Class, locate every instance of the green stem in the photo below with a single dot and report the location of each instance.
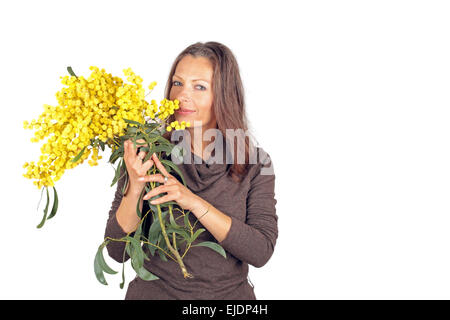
(192, 233)
(186, 274)
(173, 234)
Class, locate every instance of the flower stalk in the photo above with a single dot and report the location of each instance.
(175, 252)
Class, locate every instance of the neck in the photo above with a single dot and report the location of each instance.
(198, 145)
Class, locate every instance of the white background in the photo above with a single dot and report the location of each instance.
(350, 99)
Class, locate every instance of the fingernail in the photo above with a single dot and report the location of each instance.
(141, 179)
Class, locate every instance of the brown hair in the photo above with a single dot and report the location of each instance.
(228, 92)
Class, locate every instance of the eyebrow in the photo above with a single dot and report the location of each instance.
(192, 80)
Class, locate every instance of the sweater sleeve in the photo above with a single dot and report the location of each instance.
(253, 241)
(113, 229)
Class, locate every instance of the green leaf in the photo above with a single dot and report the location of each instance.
(166, 204)
(162, 255)
(174, 167)
(212, 245)
(116, 154)
(78, 155)
(196, 234)
(146, 257)
(179, 231)
(131, 131)
(161, 147)
(42, 191)
(117, 174)
(69, 69)
(101, 260)
(186, 220)
(149, 127)
(126, 178)
(123, 269)
(163, 140)
(140, 135)
(137, 262)
(123, 277)
(138, 211)
(148, 142)
(144, 274)
(98, 271)
(155, 231)
(137, 255)
(45, 212)
(144, 149)
(151, 248)
(161, 242)
(133, 122)
(128, 249)
(172, 220)
(123, 138)
(138, 232)
(55, 204)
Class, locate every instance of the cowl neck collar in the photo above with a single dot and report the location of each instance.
(200, 173)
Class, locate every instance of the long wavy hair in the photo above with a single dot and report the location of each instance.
(228, 92)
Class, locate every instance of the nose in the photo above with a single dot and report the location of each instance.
(185, 93)
(183, 97)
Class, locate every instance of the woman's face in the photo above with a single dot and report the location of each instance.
(192, 86)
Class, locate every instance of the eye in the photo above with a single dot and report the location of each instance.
(202, 88)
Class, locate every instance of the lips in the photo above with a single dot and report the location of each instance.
(184, 111)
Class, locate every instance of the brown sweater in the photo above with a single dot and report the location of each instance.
(251, 239)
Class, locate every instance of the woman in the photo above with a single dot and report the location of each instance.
(233, 200)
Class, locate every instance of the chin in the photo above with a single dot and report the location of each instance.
(189, 118)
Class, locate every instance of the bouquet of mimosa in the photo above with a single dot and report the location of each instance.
(103, 111)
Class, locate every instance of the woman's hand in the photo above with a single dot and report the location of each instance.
(135, 167)
(175, 190)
